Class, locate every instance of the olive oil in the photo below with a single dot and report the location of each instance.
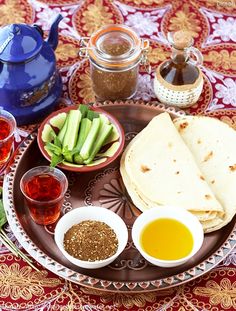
(166, 239)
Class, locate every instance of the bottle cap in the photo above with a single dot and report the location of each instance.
(182, 39)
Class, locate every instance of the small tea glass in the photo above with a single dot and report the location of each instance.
(44, 189)
(7, 130)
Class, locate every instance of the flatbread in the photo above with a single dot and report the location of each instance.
(144, 204)
(161, 170)
(213, 146)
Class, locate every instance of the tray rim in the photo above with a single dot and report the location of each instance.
(87, 281)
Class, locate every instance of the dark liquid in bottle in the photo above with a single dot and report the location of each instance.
(179, 72)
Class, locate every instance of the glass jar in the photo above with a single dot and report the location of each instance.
(114, 52)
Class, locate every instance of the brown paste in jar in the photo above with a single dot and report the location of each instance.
(114, 84)
(115, 45)
(118, 83)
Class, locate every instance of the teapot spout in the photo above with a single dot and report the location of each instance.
(53, 34)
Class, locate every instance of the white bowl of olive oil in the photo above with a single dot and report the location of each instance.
(167, 236)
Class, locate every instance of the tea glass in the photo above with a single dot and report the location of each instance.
(44, 189)
(7, 130)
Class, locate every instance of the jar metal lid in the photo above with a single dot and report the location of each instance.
(115, 46)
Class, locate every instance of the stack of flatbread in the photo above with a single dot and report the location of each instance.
(189, 163)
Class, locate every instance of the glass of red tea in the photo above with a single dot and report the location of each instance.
(44, 189)
(7, 130)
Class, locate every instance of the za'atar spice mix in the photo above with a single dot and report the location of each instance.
(91, 240)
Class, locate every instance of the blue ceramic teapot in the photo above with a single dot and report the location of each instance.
(29, 81)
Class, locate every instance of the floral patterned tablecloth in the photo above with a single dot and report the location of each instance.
(213, 26)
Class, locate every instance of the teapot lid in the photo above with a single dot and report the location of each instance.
(19, 42)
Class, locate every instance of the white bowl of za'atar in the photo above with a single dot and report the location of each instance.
(91, 237)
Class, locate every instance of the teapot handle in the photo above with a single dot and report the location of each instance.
(39, 29)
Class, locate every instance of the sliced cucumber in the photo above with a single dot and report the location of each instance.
(62, 132)
(104, 119)
(90, 139)
(83, 133)
(104, 132)
(71, 135)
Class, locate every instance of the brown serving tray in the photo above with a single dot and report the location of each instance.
(130, 272)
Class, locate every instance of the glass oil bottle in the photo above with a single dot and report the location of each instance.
(179, 81)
